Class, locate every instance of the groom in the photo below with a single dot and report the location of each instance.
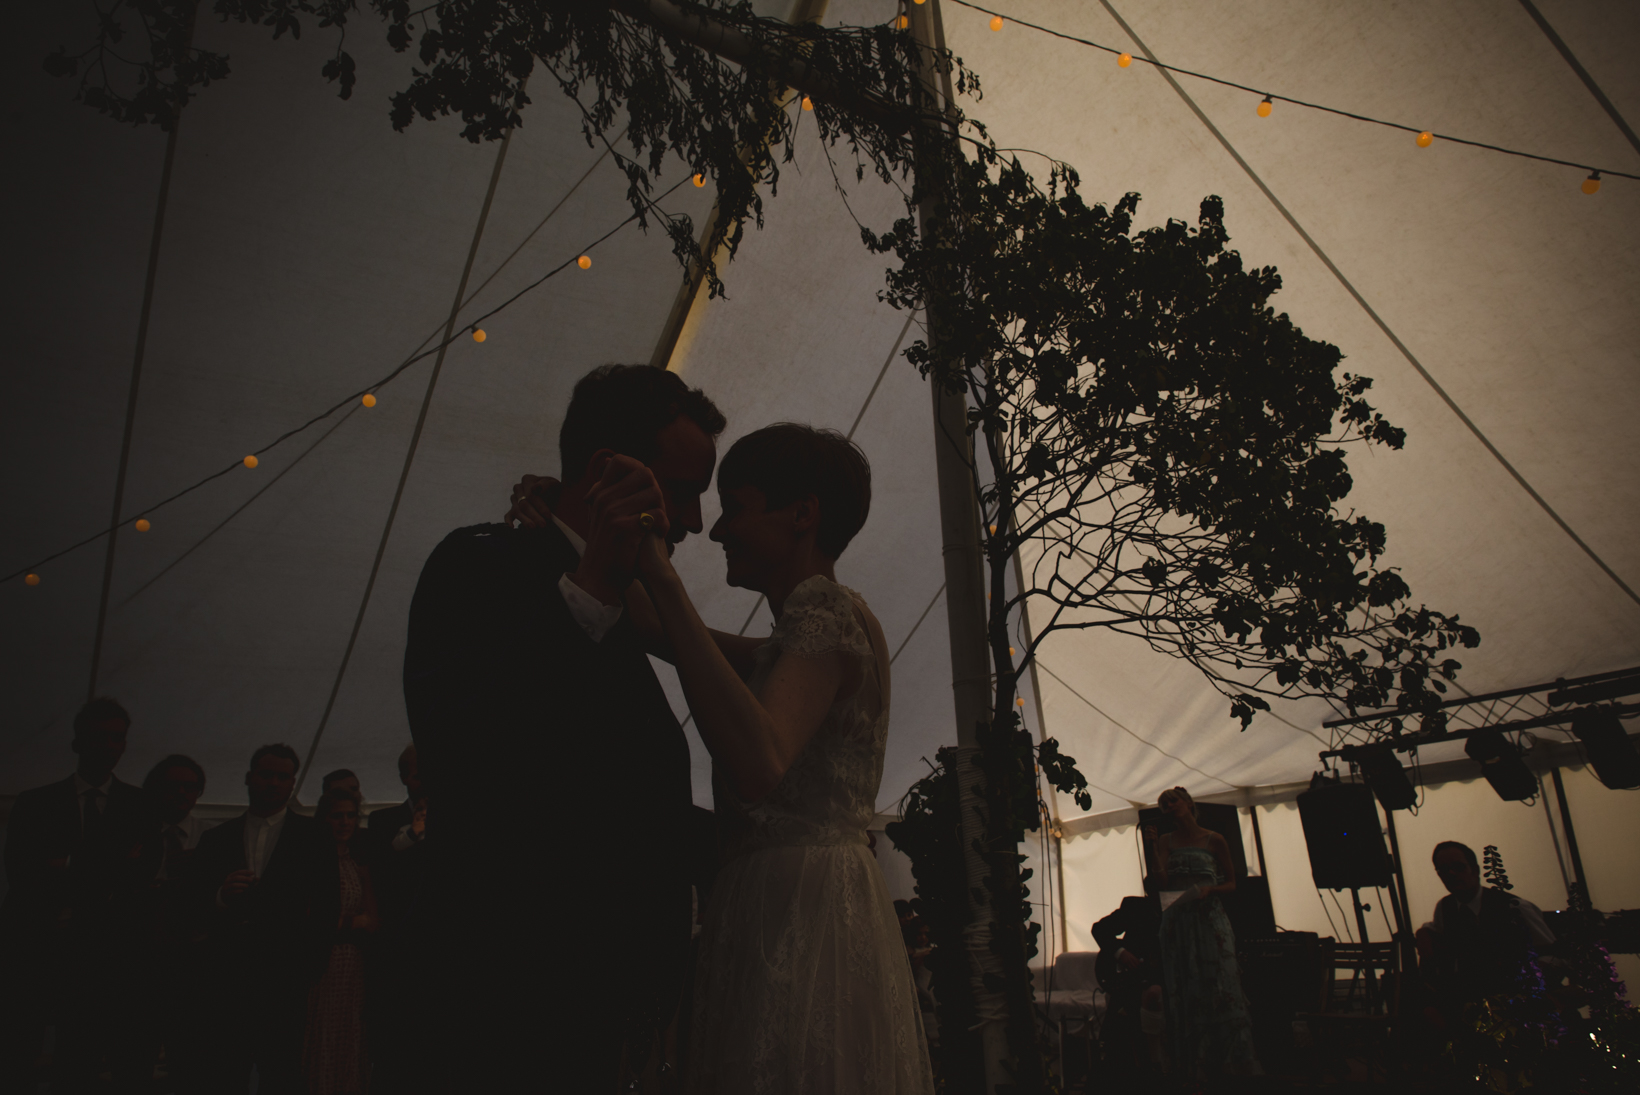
(557, 775)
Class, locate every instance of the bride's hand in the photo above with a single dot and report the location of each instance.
(654, 558)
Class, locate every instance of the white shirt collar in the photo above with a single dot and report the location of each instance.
(81, 786)
(571, 535)
(272, 821)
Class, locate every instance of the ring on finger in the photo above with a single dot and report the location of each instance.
(647, 520)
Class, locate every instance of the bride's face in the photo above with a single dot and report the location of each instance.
(755, 538)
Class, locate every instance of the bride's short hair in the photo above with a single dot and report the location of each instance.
(789, 461)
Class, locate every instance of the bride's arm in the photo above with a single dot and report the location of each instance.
(755, 739)
(737, 649)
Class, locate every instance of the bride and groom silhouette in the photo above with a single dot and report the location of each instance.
(559, 782)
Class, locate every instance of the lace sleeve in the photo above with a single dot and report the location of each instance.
(818, 619)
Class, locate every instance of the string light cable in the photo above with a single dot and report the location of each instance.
(1425, 137)
(471, 329)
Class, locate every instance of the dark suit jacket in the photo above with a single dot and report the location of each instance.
(1136, 927)
(275, 928)
(557, 775)
(44, 828)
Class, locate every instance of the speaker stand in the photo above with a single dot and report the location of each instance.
(1366, 965)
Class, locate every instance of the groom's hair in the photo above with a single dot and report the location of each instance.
(789, 461)
(624, 408)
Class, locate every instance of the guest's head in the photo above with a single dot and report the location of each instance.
(342, 779)
(1460, 871)
(100, 729)
(271, 778)
(789, 490)
(408, 774)
(902, 910)
(1177, 803)
(650, 415)
(173, 786)
(338, 811)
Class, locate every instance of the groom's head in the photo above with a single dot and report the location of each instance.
(650, 415)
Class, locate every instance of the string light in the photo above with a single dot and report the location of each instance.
(996, 22)
(1020, 701)
(699, 180)
(251, 461)
(903, 21)
(478, 336)
(584, 262)
(1425, 139)
(1124, 60)
(808, 103)
(143, 525)
(1592, 183)
(368, 400)
(1265, 107)
(32, 580)
(1010, 652)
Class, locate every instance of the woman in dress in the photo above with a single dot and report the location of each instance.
(333, 1051)
(1209, 1031)
(803, 986)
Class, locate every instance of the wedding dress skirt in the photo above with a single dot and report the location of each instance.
(803, 986)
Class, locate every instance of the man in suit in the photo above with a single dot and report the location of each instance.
(73, 850)
(392, 829)
(1129, 968)
(557, 775)
(256, 879)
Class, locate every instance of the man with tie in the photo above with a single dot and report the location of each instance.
(72, 848)
(255, 878)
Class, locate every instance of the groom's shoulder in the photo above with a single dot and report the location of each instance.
(483, 549)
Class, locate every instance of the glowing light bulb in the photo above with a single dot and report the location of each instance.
(919, 1)
(808, 103)
(903, 21)
(996, 22)
(1124, 60)
(700, 180)
(143, 525)
(1265, 107)
(1010, 652)
(479, 335)
(368, 400)
(584, 262)
(1592, 183)
(1425, 139)
(993, 530)
(1020, 701)
(31, 580)
(251, 461)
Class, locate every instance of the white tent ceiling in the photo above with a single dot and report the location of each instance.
(307, 249)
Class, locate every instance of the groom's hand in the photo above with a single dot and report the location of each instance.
(533, 497)
(623, 494)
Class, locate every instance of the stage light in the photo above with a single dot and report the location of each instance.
(31, 579)
(996, 22)
(808, 103)
(143, 525)
(368, 400)
(1501, 765)
(1592, 183)
(1265, 107)
(478, 332)
(1611, 753)
(584, 262)
(700, 180)
(1425, 139)
(1385, 775)
(251, 461)
(1124, 60)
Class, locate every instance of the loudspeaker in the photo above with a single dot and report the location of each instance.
(1342, 834)
(1501, 765)
(1611, 753)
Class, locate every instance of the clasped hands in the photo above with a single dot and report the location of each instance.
(627, 532)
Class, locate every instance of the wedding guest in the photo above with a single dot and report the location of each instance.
(393, 828)
(1480, 938)
(1129, 969)
(258, 876)
(172, 789)
(333, 1050)
(532, 702)
(343, 780)
(68, 854)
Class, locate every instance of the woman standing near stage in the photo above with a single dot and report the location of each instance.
(1209, 1031)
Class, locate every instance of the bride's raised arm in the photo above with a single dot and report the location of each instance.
(738, 649)
(754, 738)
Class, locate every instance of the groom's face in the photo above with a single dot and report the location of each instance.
(684, 460)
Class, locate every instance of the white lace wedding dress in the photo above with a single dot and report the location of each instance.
(803, 986)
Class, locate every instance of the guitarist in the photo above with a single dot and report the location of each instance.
(1129, 968)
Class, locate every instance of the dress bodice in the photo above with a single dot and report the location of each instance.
(829, 795)
(1189, 866)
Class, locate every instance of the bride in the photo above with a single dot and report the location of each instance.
(803, 985)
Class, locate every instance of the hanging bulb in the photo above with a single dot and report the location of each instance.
(700, 180)
(993, 530)
(1265, 107)
(996, 22)
(584, 262)
(919, 1)
(1425, 139)
(1592, 183)
(368, 400)
(31, 579)
(251, 461)
(479, 335)
(1124, 60)
(1010, 652)
(143, 525)
(903, 21)
(1020, 701)
(808, 103)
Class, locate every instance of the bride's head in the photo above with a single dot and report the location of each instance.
(793, 497)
